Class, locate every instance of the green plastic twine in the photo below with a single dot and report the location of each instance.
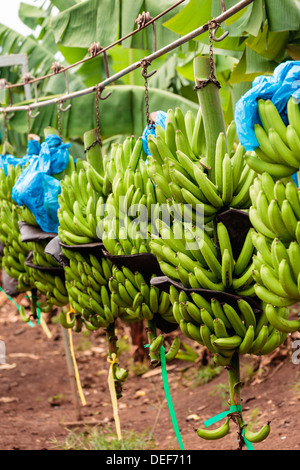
(17, 305)
(218, 417)
(168, 394)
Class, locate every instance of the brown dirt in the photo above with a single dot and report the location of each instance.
(37, 406)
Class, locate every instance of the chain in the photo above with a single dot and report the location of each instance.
(28, 121)
(5, 126)
(59, 118)
(150, 123)
(145, 65)
(98, 96)
(98, 140)
(212, 25)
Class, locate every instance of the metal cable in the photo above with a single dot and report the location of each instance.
(170, 47)
(58, 68)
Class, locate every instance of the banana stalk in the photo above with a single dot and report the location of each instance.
(113, 349)
(151, 333)
(94, 154)
(212, 112)
(234, 382)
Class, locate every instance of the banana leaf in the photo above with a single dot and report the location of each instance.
(106, 21)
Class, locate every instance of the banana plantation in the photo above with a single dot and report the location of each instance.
(150, 227)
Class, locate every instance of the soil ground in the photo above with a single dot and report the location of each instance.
(37, 407)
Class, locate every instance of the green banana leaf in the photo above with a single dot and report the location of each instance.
(31, 15)
(106, 21)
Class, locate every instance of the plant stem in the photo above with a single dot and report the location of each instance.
(113, 349)
(235, 389)
(111, 340)
(212, 111)
(234, 380)
(151, 333)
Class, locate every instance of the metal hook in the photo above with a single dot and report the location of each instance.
(3, 85)
(60, 105)
(30, 111)
(103, 97)
(145, 64)
(61, 101)
(8, 118)
(213, 33)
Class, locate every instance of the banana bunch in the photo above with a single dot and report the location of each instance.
(48, 284)
(129, 210)
(15, 251)
(79, 205)
(275, 214)
(275, 210)
(8, 181)
(139, 300)
(87, 280)
(223, 328)
(124, 159)
(276, 271)
(188, 254)
(178, 167)
(27, 216)
(279, 145)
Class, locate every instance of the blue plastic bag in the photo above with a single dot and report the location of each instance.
(33, 148)
(42, 200)
(161, 121)
(37, 189)
(284, 83)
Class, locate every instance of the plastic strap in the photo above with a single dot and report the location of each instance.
(218, 417)
(38, 314)
(111, 384)
(168, 396)
(17, 305)
(82, 397)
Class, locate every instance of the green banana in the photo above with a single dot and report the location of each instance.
(258, 436)
(213, 434)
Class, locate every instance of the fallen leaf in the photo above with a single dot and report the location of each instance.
(192, 417)
(27, 355)
(7, 366)
(98, 350)
(154, 372)
(8, 399)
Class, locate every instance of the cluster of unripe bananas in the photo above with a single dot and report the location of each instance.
(275, 213)
(14, 252)
(48, 276)
(181, 173)
(278, 152)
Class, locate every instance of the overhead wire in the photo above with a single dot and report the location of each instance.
(134, 66)
(58, 68)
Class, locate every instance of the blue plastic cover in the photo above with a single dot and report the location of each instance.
(33, 148)
(160, 119)
(284, 83)
(37, 189)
